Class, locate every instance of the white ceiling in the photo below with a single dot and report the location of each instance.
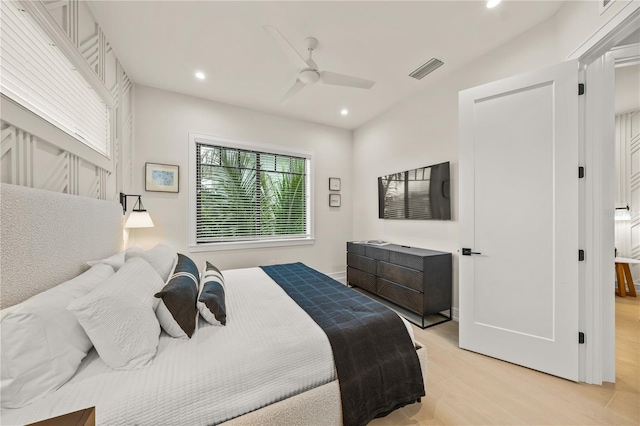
(162, 43)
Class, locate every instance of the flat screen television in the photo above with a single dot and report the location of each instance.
(419, 194)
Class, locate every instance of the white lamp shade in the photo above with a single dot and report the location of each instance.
(622, 214)
(139, 220)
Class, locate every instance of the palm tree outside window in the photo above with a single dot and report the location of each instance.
(247, 195)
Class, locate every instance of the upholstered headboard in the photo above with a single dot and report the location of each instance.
(45, 238)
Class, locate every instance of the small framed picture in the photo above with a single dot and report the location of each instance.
(334, 184)
(161, 177)
(334, 200)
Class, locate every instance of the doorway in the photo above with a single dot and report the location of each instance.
(597, 56)
(594, 325)
(627, 217)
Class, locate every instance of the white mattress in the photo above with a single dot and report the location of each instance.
(269, 350)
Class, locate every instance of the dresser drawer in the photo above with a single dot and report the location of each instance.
(365, 264)
(401, 275)
(361, 279)
(377, 253)
(356, 248)
(403, 296)
(407, 260)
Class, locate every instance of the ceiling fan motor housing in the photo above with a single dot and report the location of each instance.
(309, 76)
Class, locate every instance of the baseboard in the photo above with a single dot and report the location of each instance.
(455, 314)
(341, 277)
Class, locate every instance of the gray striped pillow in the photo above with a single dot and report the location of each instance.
(211, 302)
(177, 312)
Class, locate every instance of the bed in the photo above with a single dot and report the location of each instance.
(271, 364)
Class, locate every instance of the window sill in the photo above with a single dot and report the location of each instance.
(241, 245)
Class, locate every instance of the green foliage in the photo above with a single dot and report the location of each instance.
(235, 200)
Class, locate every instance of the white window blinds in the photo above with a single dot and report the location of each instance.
(38, 76)
(249, 195)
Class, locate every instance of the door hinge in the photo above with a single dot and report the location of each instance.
(581, 337)
(580, 88)
(580, 255)
(580, 172)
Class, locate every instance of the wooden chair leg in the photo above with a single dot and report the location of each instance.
(627, 272)
(620, 276)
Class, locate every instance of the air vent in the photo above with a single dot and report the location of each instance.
(426, 68)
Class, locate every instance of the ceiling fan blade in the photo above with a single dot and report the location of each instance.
(293, 55)
(336, 79)
(297, 86)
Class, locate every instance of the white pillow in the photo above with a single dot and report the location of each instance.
(161, 257)
(43, 343)
(119, 316)
(117, 260)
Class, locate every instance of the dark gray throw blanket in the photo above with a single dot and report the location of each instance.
(378, 368)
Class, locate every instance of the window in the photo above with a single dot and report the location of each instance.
(249, 194)
(39, 77)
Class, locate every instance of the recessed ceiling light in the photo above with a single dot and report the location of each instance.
(200, 75)
(493, 3)
(344, 111)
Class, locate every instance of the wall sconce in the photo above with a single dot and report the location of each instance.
(139, 217)
(622, 213)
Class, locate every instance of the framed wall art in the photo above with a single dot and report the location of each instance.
(161, 177)
(334, 184)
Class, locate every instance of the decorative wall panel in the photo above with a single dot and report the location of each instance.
(65, 14)
(30, 161)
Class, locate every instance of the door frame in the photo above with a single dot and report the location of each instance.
(596, 297)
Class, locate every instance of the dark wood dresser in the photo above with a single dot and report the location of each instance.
(415, 279)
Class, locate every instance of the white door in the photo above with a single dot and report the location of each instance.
(519, 210)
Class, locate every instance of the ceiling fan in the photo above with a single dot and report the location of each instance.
(309, 73)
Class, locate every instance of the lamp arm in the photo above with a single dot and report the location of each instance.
(123, 200)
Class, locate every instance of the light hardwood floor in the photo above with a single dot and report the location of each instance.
(465, 388)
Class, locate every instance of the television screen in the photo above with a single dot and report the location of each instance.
(420, 194)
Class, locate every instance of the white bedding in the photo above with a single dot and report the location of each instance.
(269, 350)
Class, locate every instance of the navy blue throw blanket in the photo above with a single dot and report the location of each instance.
(378, 368)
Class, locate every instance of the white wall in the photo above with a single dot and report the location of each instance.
(627, 88)
(576, 21)
(163, 122)
(424, 129)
